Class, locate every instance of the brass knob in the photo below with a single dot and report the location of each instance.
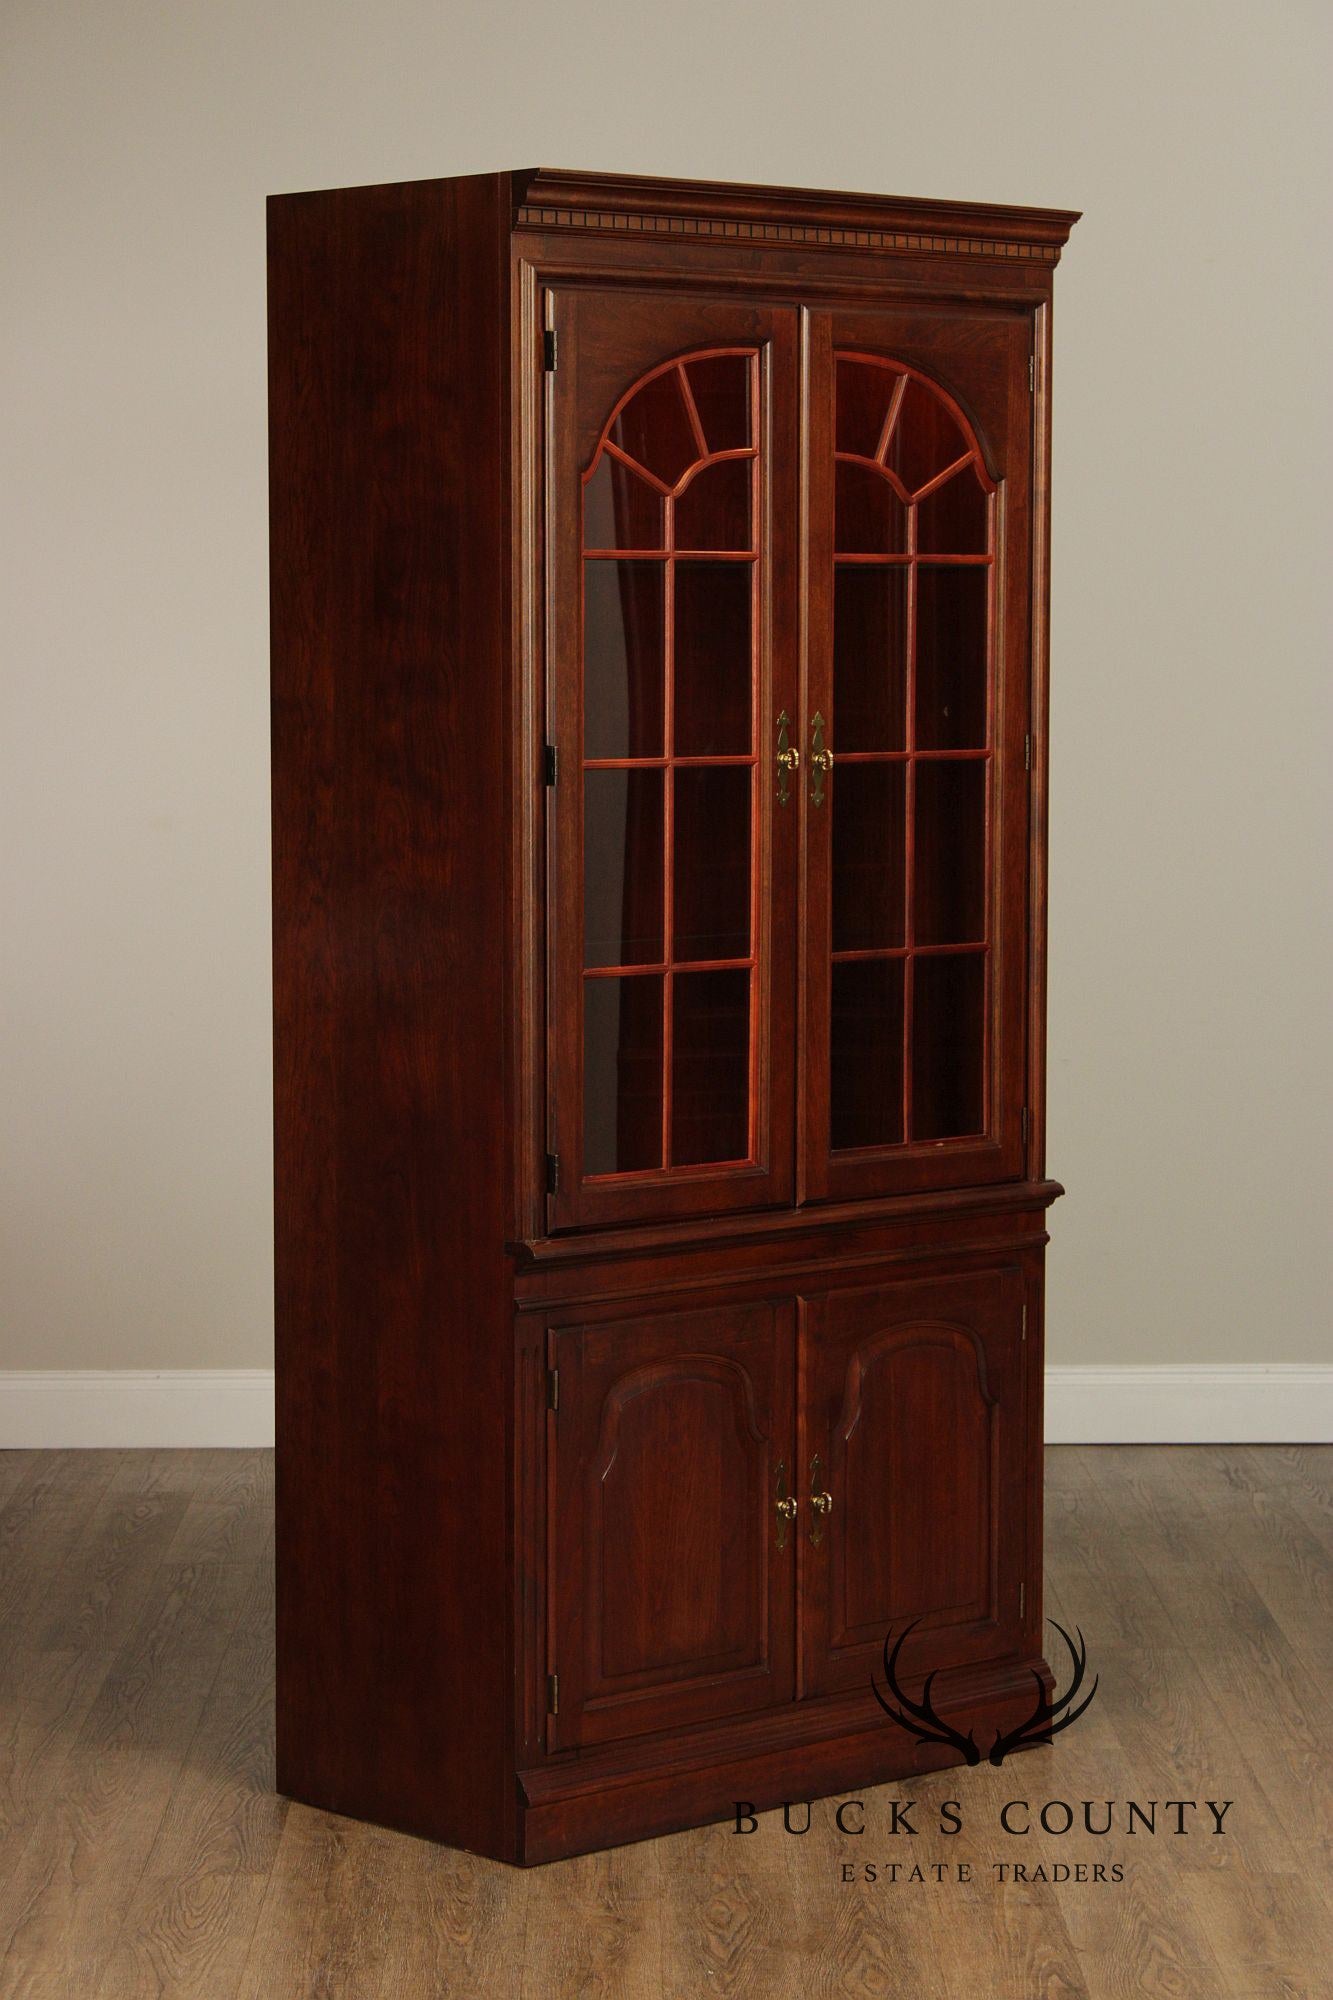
(821, 760)
(789, 759)
(821, 1502)
(784, 1505)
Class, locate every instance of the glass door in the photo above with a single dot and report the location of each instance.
(915, 807)
(671, 534)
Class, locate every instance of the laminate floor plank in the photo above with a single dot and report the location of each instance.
(726, 1898)
(330, 1914)
(229, 1516)
(143, 1853)
(62, 1904)
(1286, 1558)
(462, 1925)
(188, 1926)
(1253, 1677)
(15, 1466)
(41, 1526)
(594, 1926)
(1304, 1472)
(53, 1671)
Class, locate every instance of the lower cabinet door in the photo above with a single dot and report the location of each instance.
(670, 1562)
(912, 1487)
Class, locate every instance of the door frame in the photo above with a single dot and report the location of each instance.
(643, 1340)
(948, 1302)
(897, 329)
(699, 318)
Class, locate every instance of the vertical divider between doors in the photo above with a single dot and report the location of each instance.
(816, 691)
(803, 1310)
(547, 1664)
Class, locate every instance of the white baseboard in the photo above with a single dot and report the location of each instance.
(127, 1407)
(1201, 1403)
(1245, 1403)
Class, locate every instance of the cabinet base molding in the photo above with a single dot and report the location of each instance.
(573, 1808)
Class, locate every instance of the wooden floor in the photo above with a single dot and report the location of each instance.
(142, 1850)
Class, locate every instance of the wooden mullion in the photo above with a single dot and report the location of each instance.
(624, 555)
(640, 471)
(668, 828)
(898, 558)
(942, 478)
(909, 822)
(623, 971)
(890, 422)
(692, 411)
(624, 763)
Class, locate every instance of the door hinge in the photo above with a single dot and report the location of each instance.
(1032, 372)
(1023, 1333)
(553, 1694)
(552, 1172)
(1023, 1123)
(1022, 1598)
(1027, 756)
(550, 763)
(549, 350)
(553, 1386)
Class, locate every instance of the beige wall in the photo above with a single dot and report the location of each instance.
(1188, 1017)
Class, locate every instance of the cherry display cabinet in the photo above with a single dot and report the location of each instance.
(659, 683)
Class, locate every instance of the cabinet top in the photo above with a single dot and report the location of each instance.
(543, 199)
(556, 197)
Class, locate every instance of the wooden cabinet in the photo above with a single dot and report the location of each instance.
(659, 670)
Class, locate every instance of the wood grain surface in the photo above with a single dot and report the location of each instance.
(144, 1852)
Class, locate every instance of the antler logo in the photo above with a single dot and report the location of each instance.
(1047, 1719)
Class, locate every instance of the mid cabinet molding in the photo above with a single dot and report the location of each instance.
(659, 578)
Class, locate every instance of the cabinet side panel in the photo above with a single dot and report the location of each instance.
(388, 316)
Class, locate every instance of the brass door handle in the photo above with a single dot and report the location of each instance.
(789, 760)
(821, 1502)
(821, 760)
(784, 1505)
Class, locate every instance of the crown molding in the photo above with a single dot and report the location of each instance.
(629, 205)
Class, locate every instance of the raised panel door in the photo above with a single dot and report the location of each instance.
(911, 1496)
(670, 1559)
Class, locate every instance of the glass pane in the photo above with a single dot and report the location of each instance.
(948, 1042)
(710, 1067)
(869, 657)
(863, 392)
(714, 510)
(951, 521)
(721, 390)
(949, 903)
(622, 1075)
(623, 651)
(711, 839)
(951, 657)
(925, 438)
(622, 867)
(869, 517)
(620, 510)
(712, 667)
(866, 1071)
(868, 856)
(655, 429)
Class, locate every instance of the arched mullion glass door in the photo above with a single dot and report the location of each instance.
(914, 810)
(671, 974)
